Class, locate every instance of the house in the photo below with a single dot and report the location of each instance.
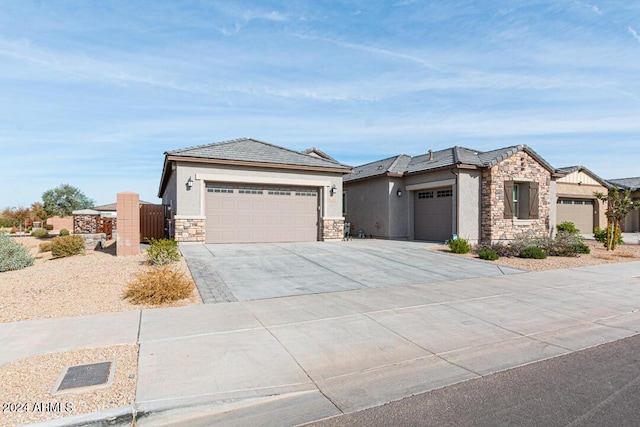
(576, 202)
(246, 190)
(632, 222)
(480, 196)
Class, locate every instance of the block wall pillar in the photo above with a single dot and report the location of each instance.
(128, 211)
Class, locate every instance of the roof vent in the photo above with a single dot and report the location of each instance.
(380, 167)
(430, 154)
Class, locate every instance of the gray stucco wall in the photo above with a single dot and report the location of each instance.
(469, 194)
(368, 204)
(169, 195)
(398, 218)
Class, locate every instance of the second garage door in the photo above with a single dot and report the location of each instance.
(433, 214)
(578, 211)
(245, 214)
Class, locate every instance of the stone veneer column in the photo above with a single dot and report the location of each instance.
(332, 229)
(189, 229)
(128, 211)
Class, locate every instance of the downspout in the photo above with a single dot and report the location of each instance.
(457, 206)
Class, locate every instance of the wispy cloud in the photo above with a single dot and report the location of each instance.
(634, 34)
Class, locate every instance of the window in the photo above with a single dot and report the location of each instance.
(279, 192)
(521, 200)
(344, 203)
(309, 193)
(251, 190)
(216, 188)
(425, 195)
(444, 193)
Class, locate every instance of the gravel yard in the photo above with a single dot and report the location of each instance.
(598, 255)
(73, 286)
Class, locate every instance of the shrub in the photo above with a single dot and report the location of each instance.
(567, 244)
(533, 252)
(158, 285)
(600, 234)
(64, 246)
(45, 246)
(40, 233)
(459, 246)
(48, 227)
(163, 251)
(64, 232)
(567, 227)
(13, 255)
(502, 249)
(488, 254)
(14, 230)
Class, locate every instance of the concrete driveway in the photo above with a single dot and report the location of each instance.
(241, 272)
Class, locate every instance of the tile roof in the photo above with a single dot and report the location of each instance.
(253, 150)
(626, 183)
(440, 159)
(114, 206)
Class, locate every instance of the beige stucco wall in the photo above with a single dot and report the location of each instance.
(469, 195)
(191, 203)
(519, 167)
(632, 221)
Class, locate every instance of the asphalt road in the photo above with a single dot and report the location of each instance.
(594, 387)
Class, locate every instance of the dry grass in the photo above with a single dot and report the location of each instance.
(158, 285)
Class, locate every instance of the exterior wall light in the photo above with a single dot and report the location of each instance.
(399, 192)
(332, 190)
(189, 184)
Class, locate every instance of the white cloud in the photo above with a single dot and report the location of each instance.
(634, 34)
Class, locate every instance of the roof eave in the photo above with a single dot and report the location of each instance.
(335, 169)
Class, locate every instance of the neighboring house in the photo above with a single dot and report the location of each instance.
(576, 202)
(245, 190)
(110, 210)
(480, 196)
(632, 222)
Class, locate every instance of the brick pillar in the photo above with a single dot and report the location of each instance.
(128, 211)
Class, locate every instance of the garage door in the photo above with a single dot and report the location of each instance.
(579, 212)
(244, 213)
(432, 214)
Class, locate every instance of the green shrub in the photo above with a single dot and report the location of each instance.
(600, 234)
(533, 252)
(488, 254)
(45, 246)
(459, 246)
(158, 285)
(64, 246)
(64, 232)
(40, 233)
(13, 255)
(48, 227)
(162, 251)
(567, 227)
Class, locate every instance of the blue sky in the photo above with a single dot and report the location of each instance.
(92, 93)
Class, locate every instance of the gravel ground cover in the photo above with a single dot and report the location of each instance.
(26, 385)
(73, 286)
(598, 255)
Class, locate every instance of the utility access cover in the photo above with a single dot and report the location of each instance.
(93, 375)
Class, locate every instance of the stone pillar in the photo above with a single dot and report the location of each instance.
(332, 229)
(128, 211)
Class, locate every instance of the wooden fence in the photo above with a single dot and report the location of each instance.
(151, 222)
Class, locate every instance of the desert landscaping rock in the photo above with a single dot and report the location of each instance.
(73, 286)
(27, 384)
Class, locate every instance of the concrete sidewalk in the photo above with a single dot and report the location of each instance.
(292, 360)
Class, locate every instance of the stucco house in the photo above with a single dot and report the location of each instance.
(480, 196)
(576, 202)
(246, 190)
(632, 222)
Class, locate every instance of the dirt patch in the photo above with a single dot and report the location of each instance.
(598, 255)
(27, 384)
(73, 286)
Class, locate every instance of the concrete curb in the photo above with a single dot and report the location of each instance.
(122, 416)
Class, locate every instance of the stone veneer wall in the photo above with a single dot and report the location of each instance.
(85, 224)
(189, 230)
(520, 166)
(332, 229)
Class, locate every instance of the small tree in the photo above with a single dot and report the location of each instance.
(19, 215)
(619, 204)
(64, 199)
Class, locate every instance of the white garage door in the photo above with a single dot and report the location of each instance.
(244, 213)
(433, 214)
(579, 212)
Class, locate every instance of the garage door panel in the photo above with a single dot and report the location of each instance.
(578, 211)
(258, 216)
(433, 214)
